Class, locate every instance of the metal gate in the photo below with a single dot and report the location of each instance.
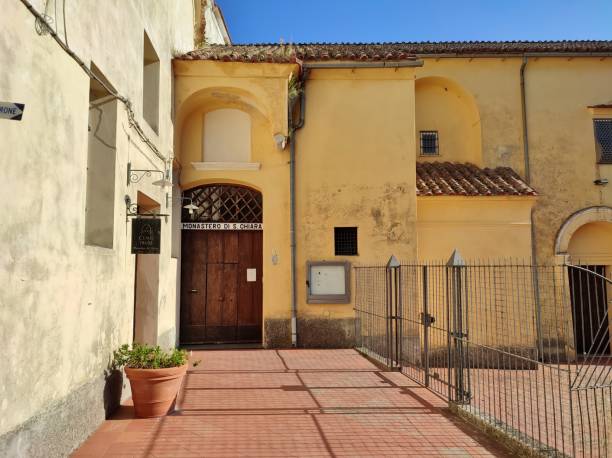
(521, 349)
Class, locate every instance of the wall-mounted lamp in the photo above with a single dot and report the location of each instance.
(135, 175)
(280, 141)
(192, 208)
(189, 206)
(601, 181)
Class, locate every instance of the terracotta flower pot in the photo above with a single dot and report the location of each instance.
(154, 390)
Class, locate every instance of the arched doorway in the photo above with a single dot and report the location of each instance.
(221, 265)
(588, 248)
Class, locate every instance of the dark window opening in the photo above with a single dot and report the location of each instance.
(429, 143)
(603, 139)
(345, 241)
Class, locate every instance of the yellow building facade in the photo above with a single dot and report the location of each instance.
(406, 149)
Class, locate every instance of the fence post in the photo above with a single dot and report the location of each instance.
(455, 267)
(392, 311)
(426, 321)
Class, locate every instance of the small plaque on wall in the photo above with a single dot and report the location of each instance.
(146, 235)
(328, 283)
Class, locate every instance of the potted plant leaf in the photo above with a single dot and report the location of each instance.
(155, 377)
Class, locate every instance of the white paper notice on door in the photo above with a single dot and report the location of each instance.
(251, 274)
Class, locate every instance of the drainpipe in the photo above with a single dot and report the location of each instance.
(304, 71)
(534, 259)
(292, 140)
(524, 119)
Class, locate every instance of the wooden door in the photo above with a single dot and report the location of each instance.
(218, 302)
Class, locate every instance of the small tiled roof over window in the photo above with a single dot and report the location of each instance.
(262, 52)
(455, 179)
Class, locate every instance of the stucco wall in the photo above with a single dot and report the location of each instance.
(480, 228)
(562, 147)
(260, 91)
(445, 107)
(355, 167)
(561, 141)
(494, 86)
(65, 306)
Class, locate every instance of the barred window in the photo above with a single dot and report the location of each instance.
(603, 139)
(345, 241)
(429, 143)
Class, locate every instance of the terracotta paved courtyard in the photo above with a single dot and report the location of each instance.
(295, 403)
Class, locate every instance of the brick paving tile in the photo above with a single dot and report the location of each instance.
(292, 403)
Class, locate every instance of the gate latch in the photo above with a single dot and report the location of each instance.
(427, 319)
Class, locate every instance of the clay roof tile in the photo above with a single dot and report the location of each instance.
(457, 179)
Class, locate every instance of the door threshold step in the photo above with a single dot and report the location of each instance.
(222, 346)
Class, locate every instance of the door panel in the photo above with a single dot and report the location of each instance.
(215, 246)
(214, 295)
(193, 285)
(231, 253)
(230, 298)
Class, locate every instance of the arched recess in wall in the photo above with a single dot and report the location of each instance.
(231, 105)
(586, 236)
(447, 108)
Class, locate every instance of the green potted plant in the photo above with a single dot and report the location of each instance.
(155, 377)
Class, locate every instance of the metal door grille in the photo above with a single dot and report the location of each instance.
(224, 204)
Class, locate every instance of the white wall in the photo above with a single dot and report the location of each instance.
(65, 306)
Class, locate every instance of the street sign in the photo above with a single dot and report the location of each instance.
(12, 111)
(146, 235)
(222, 226)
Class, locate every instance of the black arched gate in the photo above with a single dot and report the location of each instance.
(221, 265)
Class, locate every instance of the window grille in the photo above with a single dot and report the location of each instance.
(603, 139)
(224, 204)
(429, 143)
(345, 241)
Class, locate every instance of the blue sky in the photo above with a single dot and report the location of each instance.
(255, 21)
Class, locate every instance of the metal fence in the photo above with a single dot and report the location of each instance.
(524, 349)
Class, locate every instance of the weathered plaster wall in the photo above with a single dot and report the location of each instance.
(445, 107)
(65, 306)
(562, 146)
(561, 141)
(260, 91)
(493, 84)
(480, 228)
(355, 167)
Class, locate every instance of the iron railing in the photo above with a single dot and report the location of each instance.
(523, 349)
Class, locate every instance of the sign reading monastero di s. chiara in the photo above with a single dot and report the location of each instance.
(223, 226)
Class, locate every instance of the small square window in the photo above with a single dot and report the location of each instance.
(345, 241)
(429, 143)
(603, 139)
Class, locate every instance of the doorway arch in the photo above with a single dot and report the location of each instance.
(585, 242)
(221, 265)
(576, 221)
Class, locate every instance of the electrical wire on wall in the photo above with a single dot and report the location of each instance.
(43, 26)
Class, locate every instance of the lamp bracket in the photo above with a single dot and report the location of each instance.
(135, 175)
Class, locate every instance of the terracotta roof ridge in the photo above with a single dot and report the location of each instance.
(428, 42)
(380, 51)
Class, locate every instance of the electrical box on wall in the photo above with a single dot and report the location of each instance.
(328, 282)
